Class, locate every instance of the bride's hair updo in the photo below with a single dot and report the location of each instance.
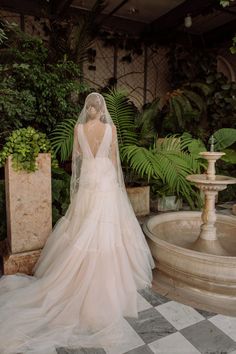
(97, 102)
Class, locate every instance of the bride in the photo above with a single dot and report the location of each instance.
(94, 261)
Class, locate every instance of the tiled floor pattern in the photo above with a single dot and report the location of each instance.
(168, 327)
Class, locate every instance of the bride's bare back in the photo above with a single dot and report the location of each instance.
(94, 133)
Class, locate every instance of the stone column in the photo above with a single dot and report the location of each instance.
(29, 215)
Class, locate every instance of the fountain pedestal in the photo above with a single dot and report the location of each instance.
(210, 184)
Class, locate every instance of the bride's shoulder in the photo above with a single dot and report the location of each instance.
(77, 127)
(113, 128)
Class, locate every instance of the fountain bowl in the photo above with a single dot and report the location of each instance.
(200, 279)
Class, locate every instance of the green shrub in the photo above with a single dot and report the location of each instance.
(33, 90)
(24, 145)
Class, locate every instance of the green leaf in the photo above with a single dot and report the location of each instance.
(230, 156)
(62, 138)
(224, 138)
(122, 114)
(195, 99)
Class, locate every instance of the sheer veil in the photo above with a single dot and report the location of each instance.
(96, 258)
(96, 100)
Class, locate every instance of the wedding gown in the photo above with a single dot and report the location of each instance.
(86, 279)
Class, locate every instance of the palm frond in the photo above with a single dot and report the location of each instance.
(142, 161)
(169, 143)
(122, 114)
(184, 102)
(195, 99)
(62, 138)
(194, 147)
(167, 163)
(176, 166)
(176, 110)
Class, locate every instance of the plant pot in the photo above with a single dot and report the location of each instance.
(169, 203)
(140, 199)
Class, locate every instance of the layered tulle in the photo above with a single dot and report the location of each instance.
(87, 277)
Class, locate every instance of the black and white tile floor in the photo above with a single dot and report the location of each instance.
(168, 327)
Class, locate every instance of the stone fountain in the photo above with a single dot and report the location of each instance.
(197, 268)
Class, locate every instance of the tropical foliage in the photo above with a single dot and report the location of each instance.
(224, 138)
(143, 157)
(224, 141)
(32, 90)
(183, 107)
(166, 163)
(123, 115)
(196, 70)
(62, 138)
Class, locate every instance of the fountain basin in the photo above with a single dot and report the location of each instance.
(208, 280)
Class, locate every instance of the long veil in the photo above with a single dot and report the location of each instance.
(86, 279)
(96, 100)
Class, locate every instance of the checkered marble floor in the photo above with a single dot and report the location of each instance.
(168, 327)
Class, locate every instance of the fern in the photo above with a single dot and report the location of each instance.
(62, 138)
(166, 162)
(122, 114)
(143, 161)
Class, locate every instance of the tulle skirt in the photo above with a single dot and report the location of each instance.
(86, 279)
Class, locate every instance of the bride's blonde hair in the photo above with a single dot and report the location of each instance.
(97, 102)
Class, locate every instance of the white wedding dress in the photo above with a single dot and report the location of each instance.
(87, 277)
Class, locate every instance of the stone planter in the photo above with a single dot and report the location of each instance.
(169, 203)
(29, 216)
(140, 199)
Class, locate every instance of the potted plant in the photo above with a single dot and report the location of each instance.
(163, 198)
(27, 157)
(23, 147)
(167, 164)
